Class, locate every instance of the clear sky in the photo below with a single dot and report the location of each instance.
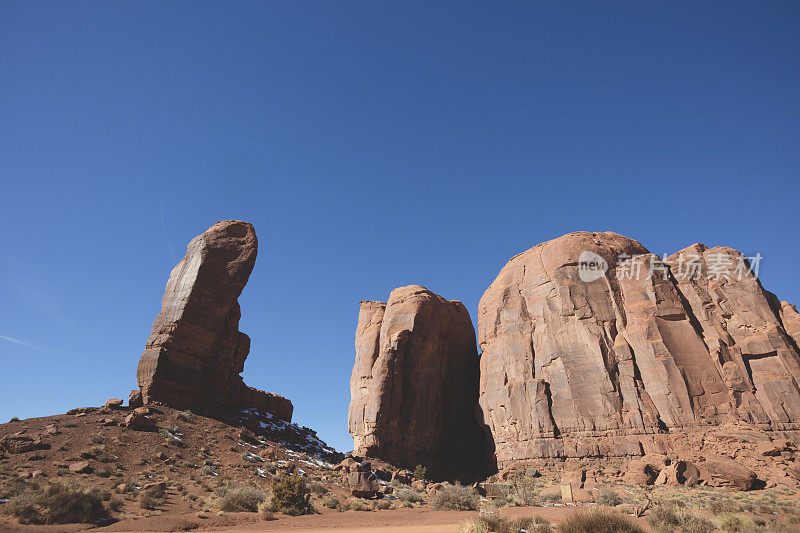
(372, 145)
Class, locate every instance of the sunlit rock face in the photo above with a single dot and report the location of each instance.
(577, 365)
(196, 352)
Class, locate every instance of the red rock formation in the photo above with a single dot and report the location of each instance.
(577, 366)
(414, 386)
(196, 352)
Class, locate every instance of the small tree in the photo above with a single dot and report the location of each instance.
(420, 472)
(291, 496)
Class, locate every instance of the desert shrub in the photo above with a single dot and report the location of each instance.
(251, 458)
(290, 496)
(550, 496)
(531, 524)
(420, 472)
(115, 504)
(239, 498)
(171, 438)
(598, 521)
(523, 492)
(14, 419)
(265, 510)
(358, 505)
(409, 495)
(317, 488)
(722, 505)
(70, 424)
(455, 498)
(330, 501)
(669, 518)
(153, 497)
(209, 470)
(186, 416)
(734, 522)
(476, 525)
(609, 498)
(98, 439)
(58, 504)
(383, 504)
(502, 524)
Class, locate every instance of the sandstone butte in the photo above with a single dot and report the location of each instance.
(574, 369)
(415, 384)
(195, 353)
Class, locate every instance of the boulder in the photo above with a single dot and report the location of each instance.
(723, 472)
(363, 485)
(135, 399)
(139, 422)
(403, 476)
(347, 465)
(639, 472)
(80, 467)
(196, 352)
(19, 443)
(769, 449)
(114, 403)
(679, 473)
(414, 384)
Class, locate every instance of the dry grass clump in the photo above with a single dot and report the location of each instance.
(58, 503)
(599, 521)
(330, 501)
(502, 524)
(239, 498)
(672, 518)
(735, 522)
(455, 498)
(152, 498)
(607, 497)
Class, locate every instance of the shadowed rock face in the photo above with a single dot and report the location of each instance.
(196, 352)
(414, 386)
(574, 368)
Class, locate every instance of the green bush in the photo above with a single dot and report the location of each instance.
(455, 498)
(598, 521)
(609, 498)
(235, 498)
(669, 518)
(291, 496)
(58, 504)
(420, 472)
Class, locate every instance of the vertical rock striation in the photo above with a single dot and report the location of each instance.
(414, 387)
(575, 366)
(196, 352)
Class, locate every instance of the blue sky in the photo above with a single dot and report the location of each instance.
(372, 145)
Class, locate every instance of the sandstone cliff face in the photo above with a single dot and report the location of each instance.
(609, 366)
(414, 386)
(196, 352)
